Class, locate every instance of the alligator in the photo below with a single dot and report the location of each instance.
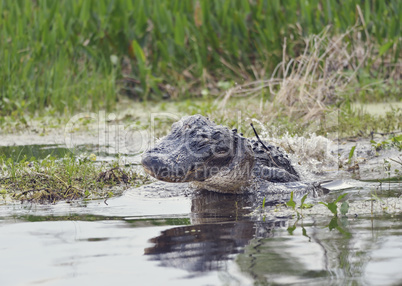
(211, 157)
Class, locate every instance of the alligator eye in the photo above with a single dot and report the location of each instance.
(203, 142)
(155, 150)
(217, 135)
(221, 150)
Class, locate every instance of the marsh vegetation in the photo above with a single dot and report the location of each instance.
(61, 57)
(215, 58)
(303, 72)
(68, 178)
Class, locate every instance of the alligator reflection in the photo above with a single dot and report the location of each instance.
(220, 229)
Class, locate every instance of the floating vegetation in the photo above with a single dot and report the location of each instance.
(51, 180)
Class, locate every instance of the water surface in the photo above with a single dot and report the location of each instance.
(201, 239)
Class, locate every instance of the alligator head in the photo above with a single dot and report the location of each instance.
(199, 151)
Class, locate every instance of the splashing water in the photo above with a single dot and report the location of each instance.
(311, 155)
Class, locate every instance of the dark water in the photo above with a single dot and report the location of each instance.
(199, 239)
(203, 240)
(39, 152)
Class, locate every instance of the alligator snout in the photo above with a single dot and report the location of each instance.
(150, 163)
(157, 166)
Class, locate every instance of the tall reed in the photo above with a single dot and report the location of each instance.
(58, 53)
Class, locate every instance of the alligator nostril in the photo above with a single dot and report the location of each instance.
(150, 162)
(154, 150)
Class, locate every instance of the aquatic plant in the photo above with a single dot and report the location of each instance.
(68, 178)
(393, 141)
(334, 208)
(351, 153)
(291, 203)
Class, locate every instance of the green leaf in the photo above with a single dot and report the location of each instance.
(303, 199)
(323, 204)
(341, 197)
(291, 229)
(344, 208)
(179, 30)
(333, 223)
(263, 203)
(291, 203)
(333, 208)
(304, 232)
(397, 138)
(307, 206)
(352, 151)
(138, 52)
(384, 48)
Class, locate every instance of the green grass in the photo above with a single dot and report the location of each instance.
(68, 178)
(358, 123)
(69, 55)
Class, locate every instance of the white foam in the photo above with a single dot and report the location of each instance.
(310, 155)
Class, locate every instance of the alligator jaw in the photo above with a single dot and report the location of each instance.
(148, 171)
(169, 179)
